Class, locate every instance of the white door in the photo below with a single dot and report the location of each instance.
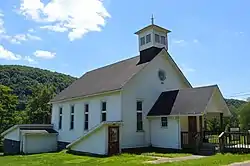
(38, 143)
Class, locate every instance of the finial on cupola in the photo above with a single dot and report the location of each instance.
(152, 19)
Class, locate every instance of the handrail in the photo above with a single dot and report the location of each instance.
(221, 134)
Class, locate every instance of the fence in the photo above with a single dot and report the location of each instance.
(212, 137)
(190, 140)
(234, 142)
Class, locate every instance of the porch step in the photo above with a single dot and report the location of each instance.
(207, 149)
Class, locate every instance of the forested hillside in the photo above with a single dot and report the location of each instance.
(21, 79)
(26, 91)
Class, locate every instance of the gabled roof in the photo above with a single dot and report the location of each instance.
(154, 27)
(47, 127)
(113, 77)
(183, 102)
(109, 78)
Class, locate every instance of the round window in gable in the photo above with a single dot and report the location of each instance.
(162, 75)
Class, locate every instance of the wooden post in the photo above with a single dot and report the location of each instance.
(201, 128)
(221, 122)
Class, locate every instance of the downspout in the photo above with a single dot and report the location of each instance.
(149, 130)
(179, 132)
(120, 128)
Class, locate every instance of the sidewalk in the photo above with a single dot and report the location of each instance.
(165, 159)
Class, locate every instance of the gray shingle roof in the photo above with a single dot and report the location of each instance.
(104, 79)
(109, 78)
(183, 102)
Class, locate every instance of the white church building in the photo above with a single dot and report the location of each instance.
(143, 101)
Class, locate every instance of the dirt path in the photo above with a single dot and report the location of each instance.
(165, 159)
(245, 163)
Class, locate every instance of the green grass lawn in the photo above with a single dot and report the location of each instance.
(64, 159)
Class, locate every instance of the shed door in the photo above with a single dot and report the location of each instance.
(113, 143)
(40, 143)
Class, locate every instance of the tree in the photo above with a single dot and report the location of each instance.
(38, 107)
(8, 103)
(245, 116)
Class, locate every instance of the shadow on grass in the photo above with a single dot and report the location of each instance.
(144, 150)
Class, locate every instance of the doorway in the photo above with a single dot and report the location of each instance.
(192, 129)
(113, 140)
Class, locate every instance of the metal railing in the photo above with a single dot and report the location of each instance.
(234, 142)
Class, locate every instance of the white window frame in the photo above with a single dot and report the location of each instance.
(103, 111)
(139, 112)
(86, 114)
(165, 122)
(72, 125)
(60, 118)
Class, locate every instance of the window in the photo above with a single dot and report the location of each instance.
(142, 40)
(139, 115)
(72, 113)
(157, 38)
(86, 117)
(164, 121)
(60, 118)
(148, 38)
(104, 110)
(163, 40)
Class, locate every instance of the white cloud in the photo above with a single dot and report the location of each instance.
(14, 39)
(8, 55)
(56, 28)
(179, 41)
(30, 60)
(17, 39)
(76, 16)
(31, 30)
(44, 54)
(186, 69)
(32, 37)
(2, 29)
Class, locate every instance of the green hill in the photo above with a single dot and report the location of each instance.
(22, 78)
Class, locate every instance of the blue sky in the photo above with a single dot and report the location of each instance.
(209, 40)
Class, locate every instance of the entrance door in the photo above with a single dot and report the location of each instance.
(192, 129)
(113, 144)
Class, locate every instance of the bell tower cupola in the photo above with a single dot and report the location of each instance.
(152, 36)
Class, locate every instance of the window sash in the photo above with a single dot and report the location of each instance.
(157, 38)
(164, 121)
(104, 106)
(139, 105)
(139, 121)
(86, 121)
(72, 109)
(60, 122)
(86, 109)
(163, 40)
(86, 125)
(104, 116)
(60, 119)
(72, 121)
(142, 41)
(148, 38)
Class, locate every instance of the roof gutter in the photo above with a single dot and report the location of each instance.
(24, 125)
(82, 97)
